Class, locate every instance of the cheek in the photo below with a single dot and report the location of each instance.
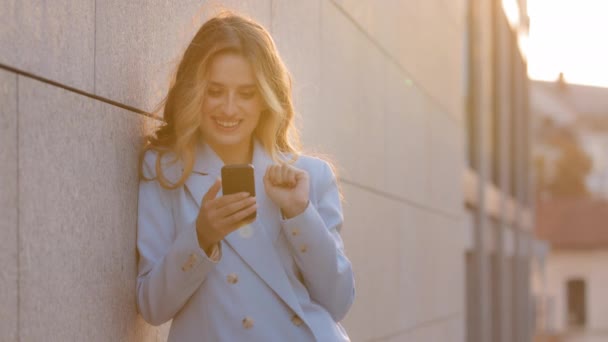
(256, 114)
(255, 108)
(208, 107)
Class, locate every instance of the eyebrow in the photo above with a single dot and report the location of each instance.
(218, 84)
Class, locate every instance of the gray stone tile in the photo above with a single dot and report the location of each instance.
(139, 43)
(54, 40)
(296, 32)
(457, 10)
(425, 37)
(8, 207)
(408, 137)
(338, 132)
(447, 162)
(372, 224)
(353, 99)
(371, 102)
(78, 213)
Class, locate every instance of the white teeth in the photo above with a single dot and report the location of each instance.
(227, 124)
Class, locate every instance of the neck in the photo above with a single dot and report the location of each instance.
(235, 154)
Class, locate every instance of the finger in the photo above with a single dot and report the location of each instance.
(294, 179)
(284, 174)
(213, 191)
(274, 174)
(267, 181)
(290, 176)
(233, 221)
(229, 199)
(234, 207)
(280, 174)
(287, 176)
(300, 174)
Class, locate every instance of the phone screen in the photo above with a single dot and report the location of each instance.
(238, 178)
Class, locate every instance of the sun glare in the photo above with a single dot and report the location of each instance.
(568, 36)
(511, 9)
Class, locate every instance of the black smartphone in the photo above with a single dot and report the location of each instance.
(238, 178)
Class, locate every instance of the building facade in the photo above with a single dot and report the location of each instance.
(576, 277)
(505, 262)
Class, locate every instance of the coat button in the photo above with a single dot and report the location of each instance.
(193, 258)
(296, 320)
(188, 264)
(247, 323)
(232, 278)
(295, 232)
(303, 248)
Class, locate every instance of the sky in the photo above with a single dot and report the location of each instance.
(569, 36)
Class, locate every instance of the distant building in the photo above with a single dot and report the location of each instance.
(577, 276)
(582, 110)
(576, 302)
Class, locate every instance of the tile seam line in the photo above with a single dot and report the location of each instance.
(394, 60)
(399, 199)
(78, 91)
(94, 46)
(418, 326)
(18, 199)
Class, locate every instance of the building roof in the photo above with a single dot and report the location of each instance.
(545, 101)
(571, 223)
(570, 103)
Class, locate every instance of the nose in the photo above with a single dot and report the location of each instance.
(230, 107)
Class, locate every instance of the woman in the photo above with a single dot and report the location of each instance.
(282, 277)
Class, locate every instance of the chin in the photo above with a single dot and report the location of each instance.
(228, 141)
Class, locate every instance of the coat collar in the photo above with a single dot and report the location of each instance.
(254, 243)
(208, 162)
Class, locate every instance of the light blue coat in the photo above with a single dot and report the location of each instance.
(276, 280)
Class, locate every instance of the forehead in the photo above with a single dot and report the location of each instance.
(231, 69)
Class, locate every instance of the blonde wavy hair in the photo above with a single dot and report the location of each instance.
(180, 132)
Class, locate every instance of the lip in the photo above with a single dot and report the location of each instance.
(226, 129)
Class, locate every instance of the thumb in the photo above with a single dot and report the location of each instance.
(213, 190)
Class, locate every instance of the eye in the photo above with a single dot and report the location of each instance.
(214, 92)
(247, 94)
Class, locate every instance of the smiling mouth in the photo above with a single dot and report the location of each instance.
(227, 123)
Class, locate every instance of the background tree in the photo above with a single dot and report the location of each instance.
(571, 168)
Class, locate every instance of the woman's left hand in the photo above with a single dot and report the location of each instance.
(288, 188)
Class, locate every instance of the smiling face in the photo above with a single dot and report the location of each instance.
(232, 105)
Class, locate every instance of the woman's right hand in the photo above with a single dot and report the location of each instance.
(219, 217)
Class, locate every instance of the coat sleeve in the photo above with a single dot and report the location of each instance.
(318, 248)
(171, 265)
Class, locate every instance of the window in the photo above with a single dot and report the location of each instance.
(576, 292)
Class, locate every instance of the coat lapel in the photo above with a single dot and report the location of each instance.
(256, 249)
(253, 243)
(207, 168)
